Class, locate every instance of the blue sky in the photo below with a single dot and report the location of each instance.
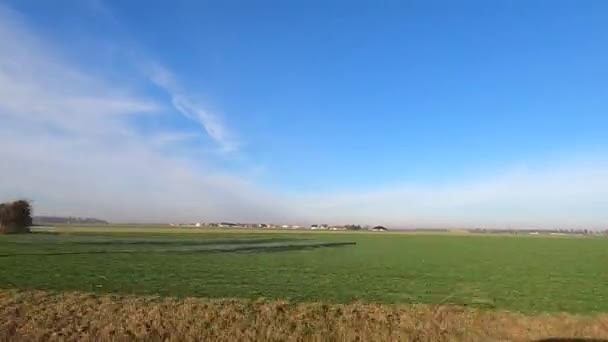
(412, 113)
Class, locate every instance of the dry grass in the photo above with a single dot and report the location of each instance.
(40, 316)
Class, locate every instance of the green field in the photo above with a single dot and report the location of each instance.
(527, 274)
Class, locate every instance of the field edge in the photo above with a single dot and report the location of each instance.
(40, 315)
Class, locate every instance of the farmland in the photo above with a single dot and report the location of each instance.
(153, 283)
(529, 275)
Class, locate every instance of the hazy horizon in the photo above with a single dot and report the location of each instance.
(405, 114)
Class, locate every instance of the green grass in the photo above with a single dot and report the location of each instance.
(527, 274)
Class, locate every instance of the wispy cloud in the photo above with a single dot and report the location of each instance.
(30, 73)
(68, 144)
(211, 123)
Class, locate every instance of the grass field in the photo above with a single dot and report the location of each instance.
(524, 274)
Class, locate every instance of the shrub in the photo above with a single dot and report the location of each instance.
(15, 217)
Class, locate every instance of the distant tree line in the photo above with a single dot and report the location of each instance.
(539, 231)
(42, 220)
(15, 217)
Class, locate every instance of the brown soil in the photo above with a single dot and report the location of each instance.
(41, 316)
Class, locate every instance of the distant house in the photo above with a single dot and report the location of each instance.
(379, 229)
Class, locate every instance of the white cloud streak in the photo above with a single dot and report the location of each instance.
(211, 123)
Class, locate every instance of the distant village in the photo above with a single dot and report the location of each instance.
(541, 231)
(280, 226)
(60, 220)
(352, 227)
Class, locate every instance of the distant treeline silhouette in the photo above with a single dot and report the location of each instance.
(540, 231)
(43, 220)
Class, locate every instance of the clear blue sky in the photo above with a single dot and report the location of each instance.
(353, 97)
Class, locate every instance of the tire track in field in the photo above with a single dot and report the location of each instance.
(204, 248)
